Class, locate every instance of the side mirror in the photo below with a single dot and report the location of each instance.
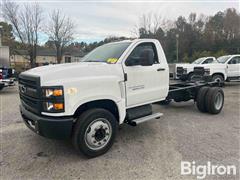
(147, 58)
(132, 62)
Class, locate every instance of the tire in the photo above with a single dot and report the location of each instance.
(214, 100)
(201, 104)
(218, 78)
(94, 127)
(190, 76)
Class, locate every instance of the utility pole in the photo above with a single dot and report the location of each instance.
(177, 36)
(1, 36)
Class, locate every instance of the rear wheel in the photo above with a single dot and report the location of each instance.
(94, 132)
(214, 100)
(201, 104)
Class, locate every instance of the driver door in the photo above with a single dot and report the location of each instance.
(233, 67)
(146, 82)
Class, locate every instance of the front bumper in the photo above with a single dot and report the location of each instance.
(182, 76)
(50, 127)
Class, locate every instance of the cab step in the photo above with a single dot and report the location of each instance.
(137, 121)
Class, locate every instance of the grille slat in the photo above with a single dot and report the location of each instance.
(179, 70)
(29, 90)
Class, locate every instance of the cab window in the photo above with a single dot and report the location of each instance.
(208, 61)
(235, 60)
(143, 53)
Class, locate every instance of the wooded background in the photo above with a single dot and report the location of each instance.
(196, 35)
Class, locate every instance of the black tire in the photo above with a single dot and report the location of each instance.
(201, 105)
(190, 76)
(213, 104)
(82, 128)
(218, 78)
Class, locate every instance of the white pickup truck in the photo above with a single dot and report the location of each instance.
(115, 83)
(227, 69)
(185, 71)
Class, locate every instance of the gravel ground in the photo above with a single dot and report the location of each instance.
(152, 150)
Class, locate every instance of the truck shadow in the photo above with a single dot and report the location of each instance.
(232, 84)
(127, 137)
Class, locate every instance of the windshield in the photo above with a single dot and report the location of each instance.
(198, 61)
(223, 59)
(109, 53)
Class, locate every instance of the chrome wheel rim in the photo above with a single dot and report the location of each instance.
(98, 134)
(218, 80)
(218, 101)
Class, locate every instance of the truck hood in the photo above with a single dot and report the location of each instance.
(212, 65)
(57, 74)
(184, 65)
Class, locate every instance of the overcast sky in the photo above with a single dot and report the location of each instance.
(96, 20)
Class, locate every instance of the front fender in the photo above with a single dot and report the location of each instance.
(120, 103)
(78, 91)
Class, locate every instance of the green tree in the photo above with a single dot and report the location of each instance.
(7, 34)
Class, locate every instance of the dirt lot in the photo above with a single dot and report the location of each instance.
(153, 150)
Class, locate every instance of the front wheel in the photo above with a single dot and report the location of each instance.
(94, 132)
(190, 76)
(218, 78)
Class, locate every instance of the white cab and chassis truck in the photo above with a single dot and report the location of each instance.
(186, 71)
(115, 83)
(227, 68)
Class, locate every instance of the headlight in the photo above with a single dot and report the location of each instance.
(52, 92)
(53, 107)
(53, 99)
(207, 71)
(185, 71)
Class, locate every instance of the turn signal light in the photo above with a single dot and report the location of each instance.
(58, 106)
(57, 92)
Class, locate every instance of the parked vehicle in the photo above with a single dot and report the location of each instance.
(115, 83)
(228, 69)
(6, 77)
(185, 71)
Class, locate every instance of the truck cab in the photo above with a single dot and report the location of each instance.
(232, 65)
(111, 80)
(185, 71)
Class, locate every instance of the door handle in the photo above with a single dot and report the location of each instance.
(161, 69)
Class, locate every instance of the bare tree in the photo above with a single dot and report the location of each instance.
(150, 24)
(60, 31)
(26, 22)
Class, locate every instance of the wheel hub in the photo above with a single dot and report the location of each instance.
(218, 101)
(98, 133)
